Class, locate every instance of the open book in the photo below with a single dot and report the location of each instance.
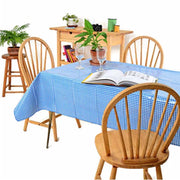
(117, 78)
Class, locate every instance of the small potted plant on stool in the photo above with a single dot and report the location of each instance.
(13, 37)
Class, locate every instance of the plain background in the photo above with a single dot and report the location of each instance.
(23, 154)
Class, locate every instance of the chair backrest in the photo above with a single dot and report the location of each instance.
(34, 56)
(144, 50)
(152, 118)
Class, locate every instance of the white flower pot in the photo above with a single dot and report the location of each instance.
(72, 22)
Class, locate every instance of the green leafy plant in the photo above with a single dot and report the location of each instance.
(14, 36)
(74, 17)
(91, 37)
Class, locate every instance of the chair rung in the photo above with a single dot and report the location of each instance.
(58, 115)
(43, 123)
(47, 120)
(38, 123)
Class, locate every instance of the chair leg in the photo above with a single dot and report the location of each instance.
(49, 128)
(54, 126)
(78, 123)
(26, 124)
(146, 174)
(113, 173)
(159, 172)
(99, 169)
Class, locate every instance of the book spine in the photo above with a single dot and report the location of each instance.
(74, 58)
(65, 51)
(69, 55)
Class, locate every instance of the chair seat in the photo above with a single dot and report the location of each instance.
(116, 157)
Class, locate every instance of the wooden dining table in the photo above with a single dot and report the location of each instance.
(61, 90)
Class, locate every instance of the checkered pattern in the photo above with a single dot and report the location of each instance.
(60, 90)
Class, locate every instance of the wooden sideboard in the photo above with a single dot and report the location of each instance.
(67, 35)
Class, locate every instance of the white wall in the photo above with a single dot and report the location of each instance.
(157, 18)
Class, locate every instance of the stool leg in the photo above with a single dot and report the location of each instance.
(9, 73)
(22, 79)
(5, 77)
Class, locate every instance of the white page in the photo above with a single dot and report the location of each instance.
(113, 74)
(138, 77)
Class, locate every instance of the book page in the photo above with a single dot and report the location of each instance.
(107, 76)
(134, 77)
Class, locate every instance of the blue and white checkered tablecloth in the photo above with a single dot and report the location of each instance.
(60, 90)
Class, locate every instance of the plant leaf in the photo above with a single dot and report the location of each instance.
(80, 40)
(103, 34)
(88, 25)
(87, 41)
(105, 40)
(82, 34)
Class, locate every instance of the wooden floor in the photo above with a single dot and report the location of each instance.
(24, 156)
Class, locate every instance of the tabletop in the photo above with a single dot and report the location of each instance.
(60, 90)
(79, 29)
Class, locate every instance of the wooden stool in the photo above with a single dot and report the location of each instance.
(8, 74)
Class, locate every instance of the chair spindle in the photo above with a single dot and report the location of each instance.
(147, 53)
(164, 131)
(120, 134)
(141, 51)
(129, 130)
(158, 127)
(139, 126)
(135, 49)
(150, 124)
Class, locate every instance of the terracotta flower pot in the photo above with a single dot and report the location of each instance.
(94, 57)
(94, 60)
(13, 51)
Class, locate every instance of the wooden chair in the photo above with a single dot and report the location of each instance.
(144, 50)
(35, 56)
(141, 140)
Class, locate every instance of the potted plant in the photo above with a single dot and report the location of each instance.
(13, 37)
(72, 20)
(92, 36)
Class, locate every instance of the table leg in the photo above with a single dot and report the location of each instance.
(58, 49)
(108, 55)
(122, 49)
